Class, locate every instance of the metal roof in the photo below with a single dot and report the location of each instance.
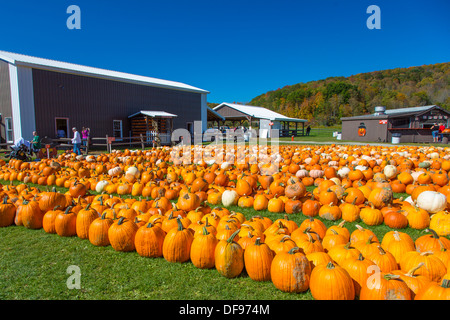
(395, 113)
(259, 112)
(58, 66)
(154, 114)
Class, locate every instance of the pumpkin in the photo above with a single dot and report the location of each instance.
(431, 201)
(7, 212)
(257, 260)
(431, 242)
(331, 282)
(98, 231)
(433, 268)
(440, 223)
(435, 291)
(203, 248)
(384, 260)
(49, 200)
(229, 197)
(48, 222)
(229, 257)
(122, 234)
(83, 221)
(371, 216)
(65, 223)
(31, 215)
(398, 245)
(189, 201)
(149, 240)
(385, 286)
(177, 243)
(291, 271)
(381, 197)
(330, 212)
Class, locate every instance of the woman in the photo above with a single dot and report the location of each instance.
(85, 135)
(76, 141)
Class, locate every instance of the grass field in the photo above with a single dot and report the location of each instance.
(34, 266)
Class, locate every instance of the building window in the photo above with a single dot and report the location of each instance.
(9, 130)
(117, 129)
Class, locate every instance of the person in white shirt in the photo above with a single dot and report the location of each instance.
(76, 141)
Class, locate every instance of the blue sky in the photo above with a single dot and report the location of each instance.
(234, 49)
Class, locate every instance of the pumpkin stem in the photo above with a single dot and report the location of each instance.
(433, 233)
(180, 225)
(411, 272)
(231, 238)
(68, 209)
(445, 283)
(120, 220)
(205, 231)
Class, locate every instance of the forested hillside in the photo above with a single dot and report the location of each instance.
(324, 102)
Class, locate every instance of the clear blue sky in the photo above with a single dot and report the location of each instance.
(234, 49)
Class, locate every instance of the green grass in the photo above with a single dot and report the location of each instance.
(34, 266)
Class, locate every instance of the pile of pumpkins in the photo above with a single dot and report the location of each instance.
(149, 203)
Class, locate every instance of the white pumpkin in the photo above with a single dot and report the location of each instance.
(115, 171)
(390, 171)
(90, 158)
(301, 173)
(134, 171)
(431, 201)
(229, 197)
(225, 165)
(343, 172)
(101, 185)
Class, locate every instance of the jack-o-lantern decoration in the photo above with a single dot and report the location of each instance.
(362, 129)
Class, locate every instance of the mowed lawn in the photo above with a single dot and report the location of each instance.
(34, 265)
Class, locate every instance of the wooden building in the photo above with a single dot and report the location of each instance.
(260, 117)
(408, 124)
(47, 96)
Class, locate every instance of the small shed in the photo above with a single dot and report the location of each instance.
(409, 124)
(267, 119)
(150, 123)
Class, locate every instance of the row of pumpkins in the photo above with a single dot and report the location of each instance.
(332, 263)
(351, 184)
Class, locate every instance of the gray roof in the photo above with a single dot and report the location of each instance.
(59, 66)
(258, 112)
(395, 113)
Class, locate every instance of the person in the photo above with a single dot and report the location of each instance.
(76, 141)
(61, 133)
(434, 131)
(35, 143)
(85, 135)
(441, 130)
(308, 130)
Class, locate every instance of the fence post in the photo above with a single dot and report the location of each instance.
(108, 146)
(142, 141)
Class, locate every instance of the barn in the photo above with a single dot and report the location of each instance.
(260, 117)
(43, 95)
(406, 125)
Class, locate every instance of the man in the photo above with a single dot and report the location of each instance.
(35, 143)
(76, 141)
